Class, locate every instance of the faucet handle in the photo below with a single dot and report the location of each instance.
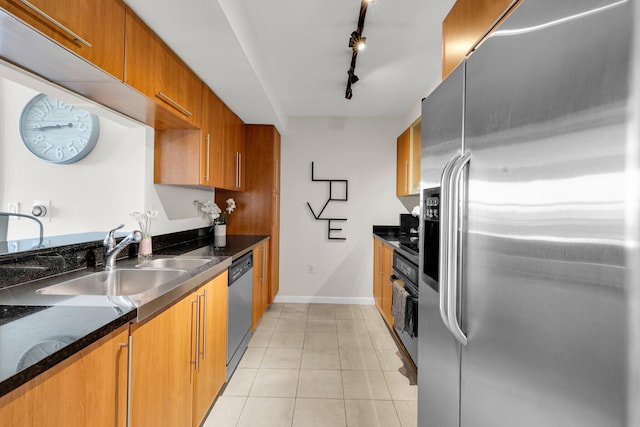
(136, 236)
(110, 239)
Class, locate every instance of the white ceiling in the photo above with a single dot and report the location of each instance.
(271, 60)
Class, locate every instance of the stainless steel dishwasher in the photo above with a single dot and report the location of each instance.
(239, 312)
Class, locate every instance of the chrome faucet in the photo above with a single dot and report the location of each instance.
(111, 250)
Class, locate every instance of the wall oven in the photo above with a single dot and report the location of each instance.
(405, 276)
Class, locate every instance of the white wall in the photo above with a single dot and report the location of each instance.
(95, 193)
(363, 151)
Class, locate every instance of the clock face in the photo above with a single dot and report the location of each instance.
(58, 132)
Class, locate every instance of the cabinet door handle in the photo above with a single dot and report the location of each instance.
(406, 171)
(74, 36)
(208, 159)
(203, 353)
(174, 104)
(129, 347)
(239, 170)
(236, 184)
(264, 262)
(196, 360)
(276, 210)
(275, 176)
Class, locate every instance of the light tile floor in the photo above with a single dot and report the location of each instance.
(319, 365)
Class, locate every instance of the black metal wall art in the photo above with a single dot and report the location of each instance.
(335, 195)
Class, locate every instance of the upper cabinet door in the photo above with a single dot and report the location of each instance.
(466, 25)
(211, 173)
(233, 151)
(416, 138)
(403, 163)
(153, 69)
(93, 29)
(241, 148)
(276, 162)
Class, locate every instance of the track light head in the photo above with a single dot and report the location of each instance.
(362, 43)
(352, 77)
(353, 39)
(357, 42)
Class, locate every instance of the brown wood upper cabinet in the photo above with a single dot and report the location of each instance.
(213, 156)
(408, 161)
(233, 151)
(466, 25)
(153, 69)
(192, 157)
(93, 29)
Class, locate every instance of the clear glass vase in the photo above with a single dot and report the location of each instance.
(145, 251)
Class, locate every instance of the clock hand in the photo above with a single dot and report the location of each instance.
(43, 128)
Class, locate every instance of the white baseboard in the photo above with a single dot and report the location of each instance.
(323, 300)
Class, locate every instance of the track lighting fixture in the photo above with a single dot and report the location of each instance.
(357, 43)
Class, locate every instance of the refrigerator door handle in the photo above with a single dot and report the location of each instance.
(453, 267)
(443, 244)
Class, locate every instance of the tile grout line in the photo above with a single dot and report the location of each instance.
(371, 330)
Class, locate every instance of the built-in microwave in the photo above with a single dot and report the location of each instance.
(431, 236)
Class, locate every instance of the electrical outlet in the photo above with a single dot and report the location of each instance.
(311, 269)
(14, 207)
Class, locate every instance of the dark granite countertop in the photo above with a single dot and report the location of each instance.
(36, 337)
(391, 235)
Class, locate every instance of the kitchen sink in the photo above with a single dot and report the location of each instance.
(178, 263)
(118, 282)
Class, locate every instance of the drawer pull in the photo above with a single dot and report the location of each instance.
(74, 36)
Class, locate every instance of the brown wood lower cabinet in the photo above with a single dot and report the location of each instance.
(179, 358)
(260, 282)
(178, 366)
(382, 286)
(88, 389)
(210, 371)
(161, 371)
(377, 272)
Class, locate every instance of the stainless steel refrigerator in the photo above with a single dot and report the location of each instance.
(522, 293)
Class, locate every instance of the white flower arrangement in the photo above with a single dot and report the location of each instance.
(213, 211)
(144, 221)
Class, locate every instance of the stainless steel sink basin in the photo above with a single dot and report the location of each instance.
(119, 282)
(179, 263)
